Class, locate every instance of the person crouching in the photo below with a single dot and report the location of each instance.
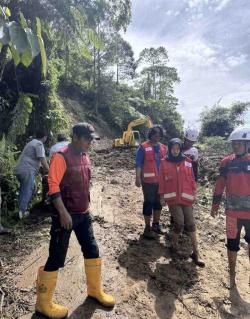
(177, 189)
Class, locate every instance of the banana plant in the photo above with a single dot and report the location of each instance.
(23, 43)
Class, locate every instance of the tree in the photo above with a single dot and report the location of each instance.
(156, 78)
(220, 121)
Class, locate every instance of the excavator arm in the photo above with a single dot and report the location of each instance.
(132, 138)
(145, 120)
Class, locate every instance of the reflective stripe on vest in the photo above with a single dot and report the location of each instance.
(240, 203)
(169, 195)
(187, 196)
(149, 174)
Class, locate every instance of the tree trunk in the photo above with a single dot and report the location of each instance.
(117, 73)
(98, 76)
(117, 60)
(3, 60)
(94, 69)
(67, 55)
(98, 83)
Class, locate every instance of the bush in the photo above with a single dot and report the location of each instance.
(221, 121)
(215, 144)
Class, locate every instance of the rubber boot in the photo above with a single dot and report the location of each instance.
(93, 274)
(46, 284)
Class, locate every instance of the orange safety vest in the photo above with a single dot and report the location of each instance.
(234, 178)
(177, 183)
(150, 172)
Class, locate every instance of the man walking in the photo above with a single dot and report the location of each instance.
(148, 158)
(27, 167)
(69, 182)
(234, 179)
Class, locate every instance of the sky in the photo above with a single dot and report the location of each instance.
(208, 41)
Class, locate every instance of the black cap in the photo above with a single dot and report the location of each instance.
(85, 130)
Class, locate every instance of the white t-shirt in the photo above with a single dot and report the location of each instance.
(192, 153)
(30, 158)
(55, 148)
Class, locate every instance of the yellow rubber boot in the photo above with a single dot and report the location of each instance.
(93, 274)
(46, 284)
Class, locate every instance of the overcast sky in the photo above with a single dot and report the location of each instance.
(208, 41)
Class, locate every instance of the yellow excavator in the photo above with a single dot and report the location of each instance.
(131, 138)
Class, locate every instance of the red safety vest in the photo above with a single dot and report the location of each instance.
(177, 183)
(75, 184)
(235, 180)
(150, 172)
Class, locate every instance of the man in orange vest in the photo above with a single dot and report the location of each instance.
(69, 183)
(148, 159)
(234, 179)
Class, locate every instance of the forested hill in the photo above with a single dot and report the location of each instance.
(60, 51)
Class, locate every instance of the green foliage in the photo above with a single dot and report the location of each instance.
(7, 159)
(20, 117)
(56, 118)
(8, 182)
(220, 121)
(24, 44)
(215, 145)
(56, 68)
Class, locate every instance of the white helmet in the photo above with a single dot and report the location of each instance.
(240, 134)
(191, 134)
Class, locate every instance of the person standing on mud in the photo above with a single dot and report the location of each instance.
(191, 137)
(69, 182)
(234, 179)
(177, 189)
(148, 159)
(27, 167)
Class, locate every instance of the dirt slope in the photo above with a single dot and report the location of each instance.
(146, 281)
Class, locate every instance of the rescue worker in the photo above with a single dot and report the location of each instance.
(177, 189)
(148, 159)
(234, 179)
(27, 167)
(69, 182)
(190, 138)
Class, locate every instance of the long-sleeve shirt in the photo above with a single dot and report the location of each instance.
(56, 172)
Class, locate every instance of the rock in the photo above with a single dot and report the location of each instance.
(114, 182)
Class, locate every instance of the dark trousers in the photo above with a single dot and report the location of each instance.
(59, 241)
(151, 198)
(234, 244)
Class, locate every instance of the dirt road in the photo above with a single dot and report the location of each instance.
(146, 281)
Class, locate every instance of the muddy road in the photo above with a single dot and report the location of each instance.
(142, 275)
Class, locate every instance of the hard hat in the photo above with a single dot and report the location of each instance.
(191, 134)
(240, 134)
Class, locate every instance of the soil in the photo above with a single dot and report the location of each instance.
(146, 280)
